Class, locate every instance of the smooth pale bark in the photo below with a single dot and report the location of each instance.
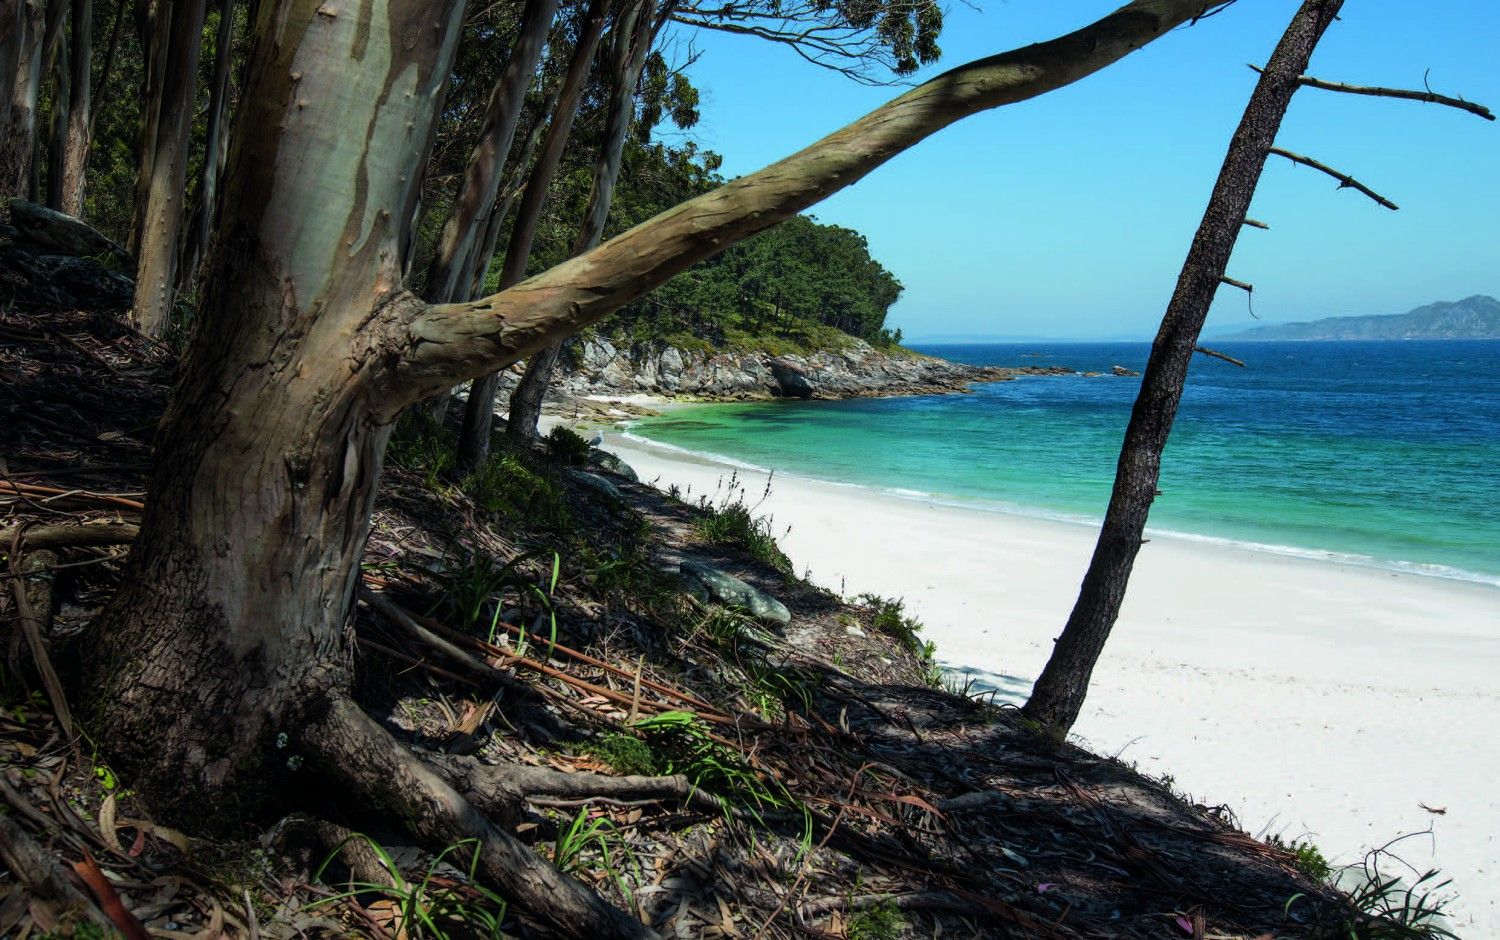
(1059, 692)
(215, 138)
(57, 143)
(77, 140)
(232, 616)
(18, 137)
(451, 342)
(179, 30)
(474, 434)
(451, 264)
(632, 41)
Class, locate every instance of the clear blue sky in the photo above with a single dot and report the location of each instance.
(1068, 215)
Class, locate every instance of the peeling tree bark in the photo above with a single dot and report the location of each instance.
(176, 37)
(632, 41)
(1059, 693)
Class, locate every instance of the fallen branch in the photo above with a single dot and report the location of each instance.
(52, 492)
(1218, 355)
(1345, 180)
(30, 597)
(1428, 96)
(39, 871)
(73, 536)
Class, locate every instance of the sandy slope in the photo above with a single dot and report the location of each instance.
(1318, 700)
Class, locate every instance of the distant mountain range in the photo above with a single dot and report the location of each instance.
(1476, 317)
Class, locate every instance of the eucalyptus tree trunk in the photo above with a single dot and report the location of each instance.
(217, 680)
(215, 139)
(632, 39)
(1058, 694)
(177, 36)
(26, 47)
(77, 140)
(12, 34)
(474, 436)
(57, 144)
(450, 270)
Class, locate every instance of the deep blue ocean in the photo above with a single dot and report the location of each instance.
(1373, 453)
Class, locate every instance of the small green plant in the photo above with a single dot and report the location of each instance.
(587, 832)
(627, 754)
(732, 521)
(880, 922)
(568, 447)
(434, 906)
(1306, 856)
(684, 744)
(891, 619)
(474, 596)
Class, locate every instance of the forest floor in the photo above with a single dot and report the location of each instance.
(533, 613)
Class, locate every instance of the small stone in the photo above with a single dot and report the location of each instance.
(710, 584)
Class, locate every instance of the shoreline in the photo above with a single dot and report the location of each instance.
(1320, 700)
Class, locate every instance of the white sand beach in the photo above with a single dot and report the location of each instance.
(1317, 700)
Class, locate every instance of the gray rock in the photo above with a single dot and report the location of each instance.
(57, 233)
(594, 482)
(604, 460)
(710, 584)
(60, 281)
(791, 379)
(1122, 371)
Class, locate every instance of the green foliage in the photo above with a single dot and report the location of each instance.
(474, 596)
(435, 907)
(568, 447)
(420, 444)
(627, 754)
(519, 490)
(587, 832)
(881, 922)
(731, 521)
(684, 746)
(1307, 856)
(891, 619)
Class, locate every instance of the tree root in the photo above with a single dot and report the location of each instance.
(354, 751)
(500, 789)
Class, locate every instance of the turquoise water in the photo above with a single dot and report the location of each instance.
(1380, 453)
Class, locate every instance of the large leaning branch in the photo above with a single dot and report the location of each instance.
(427, 349)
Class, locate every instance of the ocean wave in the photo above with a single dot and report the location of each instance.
(1423, 569)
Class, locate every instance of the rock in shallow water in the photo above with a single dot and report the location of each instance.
(708, 583)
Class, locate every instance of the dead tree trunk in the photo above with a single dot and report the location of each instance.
(177, 35)
(215, 138)
(474, 436)
(632, 41)
(1058, 695)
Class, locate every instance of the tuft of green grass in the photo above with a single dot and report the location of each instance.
(890, 618)
(420, 444)
(568, 447)
(435, 907)
(586, 833)
(880, 922)
(474, 595)
(732, 521)
(626, 754)
(511, 487)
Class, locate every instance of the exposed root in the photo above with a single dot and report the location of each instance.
(500, 789)
(380, 773)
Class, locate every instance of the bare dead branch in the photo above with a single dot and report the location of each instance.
(1256, 223)
(1429, 96)
(1218, 355)
(1345, 180)
(1242, 285)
